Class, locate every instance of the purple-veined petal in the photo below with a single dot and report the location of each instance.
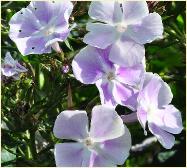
(71, 124)
(51, 9)
(100, 35)
(134, 11)
(87, 66)
(121, 92)
(32, 45)
(131, 102)
(126, 52)
(97, 160)
(108, 12)
(105, 93)
(104, 58)
(165, 95)
(142, 117)
(149, 95)
(112, 127)
(71, 155)
(23, 24)
(130, 75)
(166, 139)
(117, 150)
(151, 28)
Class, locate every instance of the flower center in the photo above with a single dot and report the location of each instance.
(110, 76)
(49, 31)
(89, 143)
(121, 27)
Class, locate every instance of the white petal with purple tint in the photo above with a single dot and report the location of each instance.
(109, 12)
(110, 129)
(71, 125)
(100, 35)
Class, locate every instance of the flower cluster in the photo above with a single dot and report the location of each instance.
(114, 61)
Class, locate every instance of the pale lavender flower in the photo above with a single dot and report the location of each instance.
(40, 26)
(126, 28)
(117, 85)
(155, 109)
(106, 144)
(11, 67)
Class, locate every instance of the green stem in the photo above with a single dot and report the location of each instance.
(28, 153)
(32, 143)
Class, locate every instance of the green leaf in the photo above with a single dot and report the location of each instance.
(68, 45)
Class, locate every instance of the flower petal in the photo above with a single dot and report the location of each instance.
(23, 24)
(51, 9)
(87, 65)
(149, 95)
(70, 155)
(117, 150)
(166, 139)
(108, 12)
(165, 95)
(112, 127)
(32, 45)
(127, 53)
(142, 117)
(169, 119)
(97, 160)
(131, 102)
(8, 59)
(134, 11)
(100, 35)
(71, 124)
(8, 71)
(151, 28)
(105, 93)
(146, 79)
(130, 75)
(121, 92)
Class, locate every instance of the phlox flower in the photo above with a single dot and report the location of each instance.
(116, 84)
(155, 109)
(106, 144)
(126, 26)
(11, 67)
(40, 26)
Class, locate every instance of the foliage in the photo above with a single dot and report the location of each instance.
(30, 105)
